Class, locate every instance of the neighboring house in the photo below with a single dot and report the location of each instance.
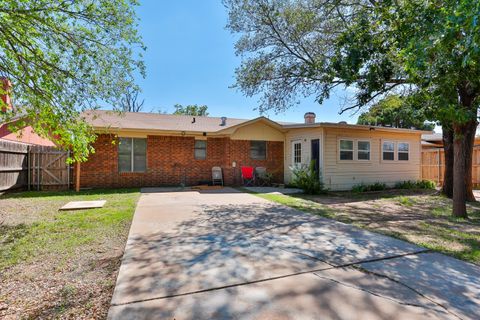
(435, 140)
(26, 134)
(146, 149)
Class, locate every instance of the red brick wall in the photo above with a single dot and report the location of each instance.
(171, 161)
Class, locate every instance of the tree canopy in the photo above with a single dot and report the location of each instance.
(191, 110)
(66, 56)
(395, 112)
(426, 50)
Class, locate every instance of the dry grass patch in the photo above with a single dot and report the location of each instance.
(61, 264)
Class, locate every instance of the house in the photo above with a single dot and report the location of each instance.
(435, 140)
(145, 149)
(26, 134)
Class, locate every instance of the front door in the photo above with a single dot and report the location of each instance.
(316, 155)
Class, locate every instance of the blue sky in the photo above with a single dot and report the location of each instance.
(190, 59)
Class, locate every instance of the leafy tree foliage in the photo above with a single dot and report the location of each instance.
(66, 56)
(395, 112)
(428, 50)
(191, 110)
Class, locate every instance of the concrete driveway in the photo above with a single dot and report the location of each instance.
(230, 255)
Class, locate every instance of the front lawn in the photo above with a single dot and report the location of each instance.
(419, 217)
(61, 264)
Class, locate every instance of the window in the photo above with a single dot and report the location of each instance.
(403, 151)
(363, 150)
(388, 149)
(258, 150)
(297, 153)
(132, 155)
(200, 149)
(346, 149)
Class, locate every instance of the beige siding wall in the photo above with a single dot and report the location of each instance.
(343, 175)
(305, 136)
(257, 131)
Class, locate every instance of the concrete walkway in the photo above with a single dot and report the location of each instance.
(229, 255)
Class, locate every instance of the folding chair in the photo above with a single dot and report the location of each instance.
(262, 177)
(217, 176)
(248, 176)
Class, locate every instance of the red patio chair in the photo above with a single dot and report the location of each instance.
(248, 176)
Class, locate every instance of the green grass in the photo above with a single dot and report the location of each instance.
(61, 233)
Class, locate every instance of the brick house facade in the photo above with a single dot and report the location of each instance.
(170, 161)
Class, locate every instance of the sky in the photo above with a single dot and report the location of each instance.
(190, 59)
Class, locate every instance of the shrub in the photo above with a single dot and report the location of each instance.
(377, 186)
(305, 178)
(411, 184)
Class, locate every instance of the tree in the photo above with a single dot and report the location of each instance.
(393, 111)
(191, 110)
(63, 57)
(426, 50)
(130, 103)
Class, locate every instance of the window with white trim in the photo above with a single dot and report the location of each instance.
(346, 149)
(403, 150)
(132, 155)
(388, 151)
(200, 149)
(363, 150)
(297, 153)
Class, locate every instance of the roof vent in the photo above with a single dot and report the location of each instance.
(309, 118)
(342, 122)
(193, 121)
(224, 121)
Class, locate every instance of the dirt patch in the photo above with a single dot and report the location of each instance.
(61, 264)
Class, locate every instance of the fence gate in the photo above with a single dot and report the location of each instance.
(48, 169)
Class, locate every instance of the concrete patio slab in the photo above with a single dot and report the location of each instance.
(223, 254)
(450, 282)
(298, 297)
(337, 243)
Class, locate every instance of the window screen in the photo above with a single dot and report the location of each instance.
(388, 151)
(346, 149)
(363, 150)
(258, 150)
(132, 155)
(403, 149)
(125, 155)
(200, 149)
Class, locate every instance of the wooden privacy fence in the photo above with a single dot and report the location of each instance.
(33, 167)
(433, 165)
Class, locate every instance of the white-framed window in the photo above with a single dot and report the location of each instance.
(388, 150)
(200, 149)
(346, 149)
(132, 155)
(297, 152)
(403, 149)
(363, 150)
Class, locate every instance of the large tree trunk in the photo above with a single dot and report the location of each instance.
(464, 137)
(459, 190)
(447, 187)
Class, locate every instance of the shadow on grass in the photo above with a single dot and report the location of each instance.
(70, 193)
